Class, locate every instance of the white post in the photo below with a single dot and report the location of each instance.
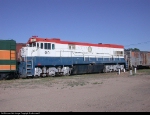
(124, 70)
(130, 72)
(135, 70)
(119, 71)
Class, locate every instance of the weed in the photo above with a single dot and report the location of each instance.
(97, 83)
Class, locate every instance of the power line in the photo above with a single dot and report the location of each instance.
(137, 43)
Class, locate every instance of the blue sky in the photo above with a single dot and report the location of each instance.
(123, 22)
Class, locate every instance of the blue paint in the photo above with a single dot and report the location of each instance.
(27, 68)
(72, 60)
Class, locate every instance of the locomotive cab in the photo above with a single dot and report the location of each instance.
(38, 59)
(37, 49)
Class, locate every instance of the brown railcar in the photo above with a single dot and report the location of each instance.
(18, 47)
(139, 59)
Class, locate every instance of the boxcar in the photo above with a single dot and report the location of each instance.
(138, 59)
(8, 64)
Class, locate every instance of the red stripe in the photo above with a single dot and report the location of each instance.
(57, 40)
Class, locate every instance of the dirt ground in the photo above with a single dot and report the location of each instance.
(104, 92)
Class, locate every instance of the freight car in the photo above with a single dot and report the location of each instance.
(138, 59)
(8, 63)
(9, 58)
(53, 56)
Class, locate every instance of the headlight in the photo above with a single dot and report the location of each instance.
(33, 40)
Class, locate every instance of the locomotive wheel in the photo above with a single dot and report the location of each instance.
(104, 70)
(52, 75)
(17, 76)
(32, 76)
(1, 77)
(7, 76)
(69, 72)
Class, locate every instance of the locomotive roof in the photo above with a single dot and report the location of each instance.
(58, 40)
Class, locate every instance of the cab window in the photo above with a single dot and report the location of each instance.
(41, 45)
(45, 45)
(49, 45)
(53, 46)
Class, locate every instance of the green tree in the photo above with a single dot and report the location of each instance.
(133, 49)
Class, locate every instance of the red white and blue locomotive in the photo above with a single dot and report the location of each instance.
(50, 57)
